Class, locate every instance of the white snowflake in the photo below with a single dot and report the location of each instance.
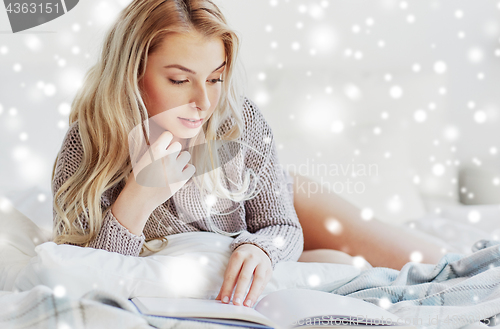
(459, 14)
(279, 241)
(420, 115)
(385, 303)
(337, 126)
(416, 256)
(396, 92)
(475, 55)
(313, 280)
(367, 214)
(333, 226)
(438, 169)
(59, 291)
(474, 216)
(440, 67)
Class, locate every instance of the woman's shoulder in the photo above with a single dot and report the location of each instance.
(69, 157)
(251, 116)
(73, 131)
(71, 149)
(72, 138)
(257, 135)
(256, 125)
(249, 105)
(257, 129)
(74, 125)
(251, 111)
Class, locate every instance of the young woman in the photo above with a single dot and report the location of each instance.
(172, 65)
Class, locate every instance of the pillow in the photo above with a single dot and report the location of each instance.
(74, 271)
(191, 266)
(18, 238)
(482, 217)
(35, 203)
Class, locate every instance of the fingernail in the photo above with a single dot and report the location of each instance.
(225, 299)
(237, 300)
(248, 302)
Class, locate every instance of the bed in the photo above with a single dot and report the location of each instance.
(44, 285)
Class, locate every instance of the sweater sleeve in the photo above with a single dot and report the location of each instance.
(271, 219)
(112, 236)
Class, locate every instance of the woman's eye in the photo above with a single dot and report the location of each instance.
(177, 82)
(214, 81)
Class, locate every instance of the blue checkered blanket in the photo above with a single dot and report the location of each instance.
(458, 291)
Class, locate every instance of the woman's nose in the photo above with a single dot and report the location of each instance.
(201, 98)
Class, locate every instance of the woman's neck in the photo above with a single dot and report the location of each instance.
(184, 142)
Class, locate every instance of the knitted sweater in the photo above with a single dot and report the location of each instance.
(268, 221)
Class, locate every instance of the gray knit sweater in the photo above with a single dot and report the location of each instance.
(268, 221)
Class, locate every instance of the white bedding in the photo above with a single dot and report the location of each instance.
(461, 226)
(192, 265)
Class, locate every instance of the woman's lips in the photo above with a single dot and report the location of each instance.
(190, 119)
(191, 124)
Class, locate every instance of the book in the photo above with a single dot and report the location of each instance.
(282, 309)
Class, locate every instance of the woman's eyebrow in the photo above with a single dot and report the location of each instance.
(180, 67)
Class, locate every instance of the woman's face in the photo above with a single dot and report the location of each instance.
(182, 81)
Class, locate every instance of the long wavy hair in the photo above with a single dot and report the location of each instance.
(109, 105)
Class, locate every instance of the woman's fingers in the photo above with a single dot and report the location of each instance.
(155, 152)
(260, 279)
(244, 279)
(183, 160)
(230, 276)
(246, 263)
(164, 165)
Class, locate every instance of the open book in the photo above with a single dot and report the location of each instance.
(283, 309)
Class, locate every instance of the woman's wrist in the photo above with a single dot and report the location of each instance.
(139, 195)
(130, 210)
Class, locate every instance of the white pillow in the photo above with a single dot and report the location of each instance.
(192, 265)
(18, 238)
(35, 203)
(75, 271)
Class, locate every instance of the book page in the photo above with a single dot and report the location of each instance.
(198, 308)
(287, 307)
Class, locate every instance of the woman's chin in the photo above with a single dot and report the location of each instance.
(183, 132)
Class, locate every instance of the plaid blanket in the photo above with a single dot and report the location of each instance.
(42, 307)
(458, 291)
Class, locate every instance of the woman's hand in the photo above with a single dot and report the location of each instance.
(155, 182)
(245, 261)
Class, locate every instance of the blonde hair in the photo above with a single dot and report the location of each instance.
(109, 105)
